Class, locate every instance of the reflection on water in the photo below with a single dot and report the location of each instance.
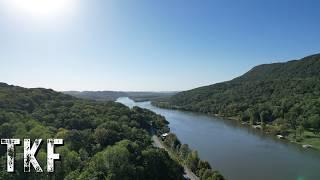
(240, 153)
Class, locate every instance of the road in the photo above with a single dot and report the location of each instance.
(188, 173)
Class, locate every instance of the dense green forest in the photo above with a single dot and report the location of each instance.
(102, 140)
(280, 98)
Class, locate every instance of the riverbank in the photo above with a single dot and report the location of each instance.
(188, 158)
(303, 138)
(188, 173)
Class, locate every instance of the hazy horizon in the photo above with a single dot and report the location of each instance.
(148, 46)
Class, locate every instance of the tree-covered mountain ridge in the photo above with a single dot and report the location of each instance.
(307, 67)
(282, 97)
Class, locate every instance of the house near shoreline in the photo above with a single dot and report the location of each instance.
(163, 136)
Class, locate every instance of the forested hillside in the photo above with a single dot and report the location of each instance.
(284, 98)
(114, 95)
(102, 140)
(307, 67)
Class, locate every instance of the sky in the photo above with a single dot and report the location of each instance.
(149, 45)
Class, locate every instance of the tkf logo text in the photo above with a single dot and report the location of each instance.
(30, 152)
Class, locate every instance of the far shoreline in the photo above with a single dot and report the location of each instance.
(286, 139)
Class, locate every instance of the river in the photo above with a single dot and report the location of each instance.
(238, 152)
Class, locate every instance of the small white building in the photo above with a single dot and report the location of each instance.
(280, 136)
(163, 136)
(257, 127)
(307, 146)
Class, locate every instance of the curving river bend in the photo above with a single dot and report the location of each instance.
(239, 153)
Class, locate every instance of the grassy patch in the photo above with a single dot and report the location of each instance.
(308, 138)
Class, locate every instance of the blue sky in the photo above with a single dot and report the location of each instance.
(153, 45)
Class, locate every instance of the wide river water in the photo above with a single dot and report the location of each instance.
(238, 152)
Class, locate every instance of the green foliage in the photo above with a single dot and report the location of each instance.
(103, 140)
(314, 123)
(211, 175)
(156, 162)
(172, 142)
(126, 160)
(191, 159)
